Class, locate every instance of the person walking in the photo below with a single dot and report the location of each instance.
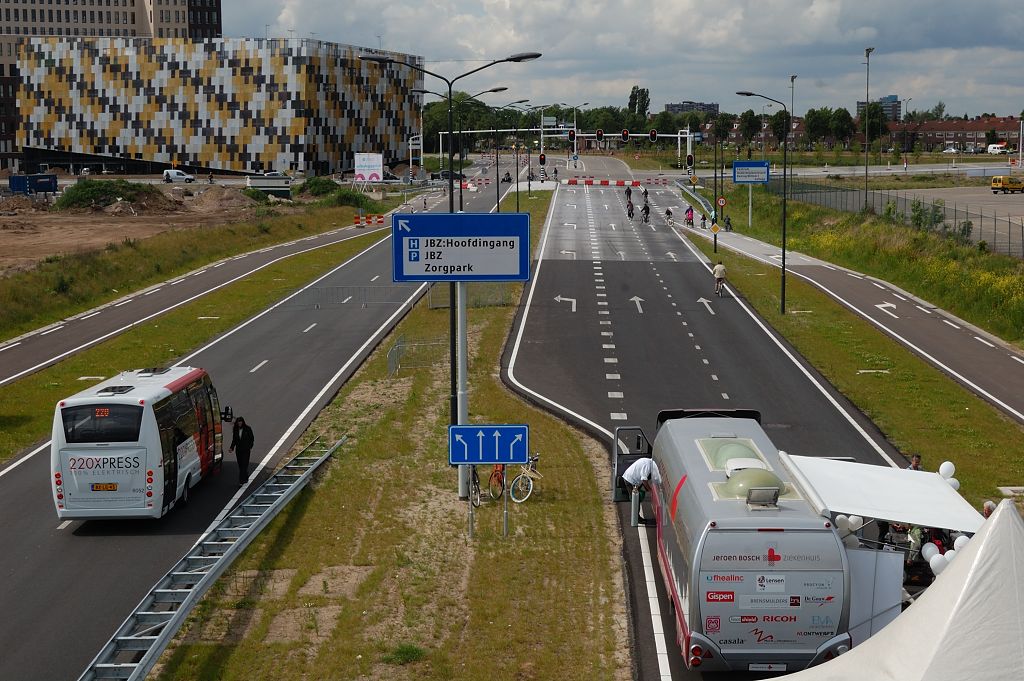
(241, 444)
(915, 462)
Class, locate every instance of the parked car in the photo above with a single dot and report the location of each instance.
(1007, 184)
(273, 173)
(173, 175)
(444, 174)
(950, 150)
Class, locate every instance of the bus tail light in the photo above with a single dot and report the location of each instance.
(59, 496)
(149, 474)
(149, 494)
(696, 650)
(149, 481)
(695, 661)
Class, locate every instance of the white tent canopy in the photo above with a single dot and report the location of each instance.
(906, 496)
(968, 625)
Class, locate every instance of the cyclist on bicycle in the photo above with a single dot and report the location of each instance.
(644, 192)
(629, 209)
(703, 221)
(645, 212)
(668, 215)
(719, 273)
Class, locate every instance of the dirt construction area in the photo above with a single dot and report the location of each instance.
(30, 231)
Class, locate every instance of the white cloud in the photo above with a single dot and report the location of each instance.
(964, 53)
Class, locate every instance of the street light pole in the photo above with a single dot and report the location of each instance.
(792, 107)
(867, 101)
(785, 167)
(903, 111)
(764, 144)
(458, 409)
(497, 169)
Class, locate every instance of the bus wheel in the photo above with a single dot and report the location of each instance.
(185, 492)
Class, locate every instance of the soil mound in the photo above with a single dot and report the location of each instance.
(217, 197)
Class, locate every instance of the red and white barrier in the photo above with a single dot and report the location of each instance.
(366, 220)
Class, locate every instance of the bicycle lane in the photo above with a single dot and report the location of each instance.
(980, 361)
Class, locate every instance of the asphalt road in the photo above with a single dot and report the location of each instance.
(647, 334)
(67, 586)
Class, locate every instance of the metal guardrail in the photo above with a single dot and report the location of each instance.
(704, 204)
(134, 649)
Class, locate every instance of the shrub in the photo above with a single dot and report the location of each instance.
(256, 195)
(317, 186)
(405, 654)
(348, 197)
(100, 193)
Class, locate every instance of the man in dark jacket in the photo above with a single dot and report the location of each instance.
(241, 444)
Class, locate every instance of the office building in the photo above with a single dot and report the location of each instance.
(228, 104)
(684, 107)
(21, 20)
(891, 107)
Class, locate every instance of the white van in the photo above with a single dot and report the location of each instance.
(997, 148)
(178, 176)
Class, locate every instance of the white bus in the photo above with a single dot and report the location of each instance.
(134, 445)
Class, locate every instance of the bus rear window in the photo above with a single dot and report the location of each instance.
(101, 423)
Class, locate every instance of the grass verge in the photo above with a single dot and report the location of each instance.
(64, 285)
(918, 407)
(27, 415)
(370, 575)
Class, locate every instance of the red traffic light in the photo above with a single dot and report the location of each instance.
(689, 160)
(542, 160)
(625, 135)
(572, 135)
(653, 134)
(600, 135)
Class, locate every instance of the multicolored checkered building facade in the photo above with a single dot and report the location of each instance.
(243, 105)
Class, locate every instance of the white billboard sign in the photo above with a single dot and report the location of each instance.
(369, 167)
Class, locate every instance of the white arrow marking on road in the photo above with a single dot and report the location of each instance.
(569, 224)
(465, 447)
(638, 300)
(707, 304)
(570, 205)
(622, 255)
(671, 255)
(403, 226)
(480, 437)
(511, 445)
(883, 306)
(567, 252)
(560, 299)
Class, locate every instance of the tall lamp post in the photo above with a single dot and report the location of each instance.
(497, 169)
(867, 101)
(903, 111)
(575, 142)
(785, 167)
(457, 409)
(792, 108)
(764, 145)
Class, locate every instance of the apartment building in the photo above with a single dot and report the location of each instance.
(21, 20)
(684, 107)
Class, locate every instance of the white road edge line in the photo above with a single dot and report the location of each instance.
(49, 331)
(90, 316)
(8, 347)
(109, 334)
(309, 328)
(64, 524)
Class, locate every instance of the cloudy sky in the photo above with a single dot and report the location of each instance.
(967, 53)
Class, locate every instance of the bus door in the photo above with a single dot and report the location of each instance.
(168, 454)
(218, 429)
(205, 420)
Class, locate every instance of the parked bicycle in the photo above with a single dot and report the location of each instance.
(522, 486)
(474, 487)
(496, 483)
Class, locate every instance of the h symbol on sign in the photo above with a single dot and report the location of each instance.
(414, 244)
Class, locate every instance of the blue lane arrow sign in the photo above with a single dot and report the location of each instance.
(482, 444)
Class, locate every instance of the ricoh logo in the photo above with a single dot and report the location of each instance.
(778, 618)
(721, 597)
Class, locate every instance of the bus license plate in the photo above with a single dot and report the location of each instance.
(766, 667)
(104, 487)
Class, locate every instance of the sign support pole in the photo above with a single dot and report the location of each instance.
(750, 205)
(469, 502)
(504, 498)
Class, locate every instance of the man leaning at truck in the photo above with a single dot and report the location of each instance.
(641, 473)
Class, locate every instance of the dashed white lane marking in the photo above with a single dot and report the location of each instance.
(877, 285)
(375, 278)
(705, 361)
(611, 360)
(946, 321)
(982, 340)
(855, 276)
(613, 377)
(149, 293)
(175, 282)
(64, 524)
(204, 271)
(605, 322)
(696, 347)
(923, 310)
(618, 416)
(603, 312)
(607, 333)
(217, 265)
(899, 296)
(602, 302)
(124, 303)
(1015, 358)
(828, 267)
(8, 347)
(346, 300)
(714, 377)
(257, 367)
(615, 395)
(608, 346)
(90, 316)
(602, 295)
(309, 328)
(725, 396)
(56, 328)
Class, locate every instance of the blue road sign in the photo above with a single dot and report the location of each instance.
(575, 157)
(460, 246)
(488, 444)
(750, 172)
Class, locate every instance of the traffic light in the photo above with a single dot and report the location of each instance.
(600, 135)
(541, 159)
(653, 134)
(689, 160)
(572, 135)
(625, 135)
